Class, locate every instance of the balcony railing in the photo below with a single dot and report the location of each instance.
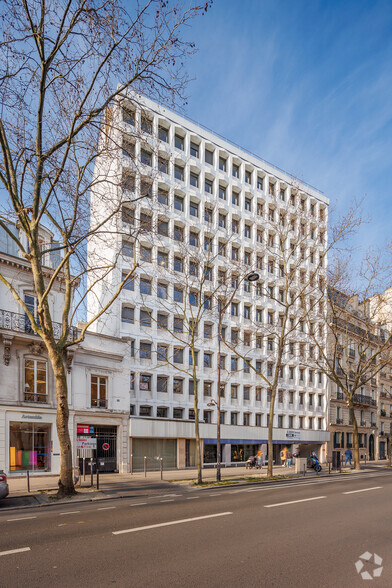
(383, 412)
(358, 399)
(20, 323)
(35, 398)
(339, 421)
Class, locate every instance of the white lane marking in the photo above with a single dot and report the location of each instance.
(164, 496)
(138, 504)
(21, 519)
(305, 483)
(171, 500)
(106, 507)
(294, 501)
(168, 524)
(216, 494)
(69, 512)
(363, 490)
(15, 551)
(193, 497)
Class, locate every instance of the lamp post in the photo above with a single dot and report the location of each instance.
(218, 443)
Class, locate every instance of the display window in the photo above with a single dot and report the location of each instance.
(30, 446)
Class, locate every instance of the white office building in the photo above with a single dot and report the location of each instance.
(177, 191)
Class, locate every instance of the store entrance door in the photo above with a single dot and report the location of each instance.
(105, 456)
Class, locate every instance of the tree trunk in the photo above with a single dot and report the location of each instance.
(196, 409)
(270, 434)
(66, 484)
(357, 464)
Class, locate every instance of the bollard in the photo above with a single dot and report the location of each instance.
(145, 466)
(161, 468)
(91, 471)
(28, 481)
(131, 463)
(97, 476)
(84, 469)
(329, 467)
(304, 470)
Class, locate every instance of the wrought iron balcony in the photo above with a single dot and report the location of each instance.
(20, 323)
(339, 421)
(358, 399)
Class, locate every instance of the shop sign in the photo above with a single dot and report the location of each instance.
(86, 443)
(293, 435)
(32, 416)
(85, 430)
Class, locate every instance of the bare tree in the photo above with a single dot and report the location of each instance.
(63, 65)
(359, 345)
(289, 274)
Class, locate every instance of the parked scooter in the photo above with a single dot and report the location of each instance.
(314, 463)
(253, 462)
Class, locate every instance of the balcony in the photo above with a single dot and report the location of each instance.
(339, 421)
(383, 412)
(363, 399)
(19, 323)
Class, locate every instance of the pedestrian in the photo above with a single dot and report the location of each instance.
(348, 456)
(283, 456)
(259, 459)
(289, 458)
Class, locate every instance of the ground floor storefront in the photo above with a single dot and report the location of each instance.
(371, 446)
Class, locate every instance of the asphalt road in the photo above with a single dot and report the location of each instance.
(297, 533)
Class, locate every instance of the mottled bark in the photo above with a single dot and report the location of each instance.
(357, 463)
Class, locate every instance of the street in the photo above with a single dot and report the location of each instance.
(297, 533)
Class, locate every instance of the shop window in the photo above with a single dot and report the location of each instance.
(30, 446)
(99, 391)
(35, 380)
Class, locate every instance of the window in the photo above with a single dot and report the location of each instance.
(234, 308)
(163, 165)
(193, 268)
(145, 318)
(248, 231)
(178, 265)
(234, 418)
(258, 394)
(234, 391)
(145, 253)
(207, 416)
(207, 331)
(194, 179)
(194, 149)
(145, 382)
(235, 198)
(161, 412)
(179, 172)
(246, 419)
(280, 421)
(222, 164)
(222, 221)
(207, 360)
(177, 385)
(145, 411)
(178, 233)
(236, 171)
(145, 351)
(129, 283)
(163, 134)
(248, 204)
(235, 225)
(246, 392)
(196, 354)
(193, 239)
(145, 286)
(162, 383)
(128, 116)
(35, 381)
(127, 248)
(207, 388)
(179, 142)
(209, 156)
(177, 413)
(146, 125)
(163, 259)
(222, 192)
(193, 209)
(178, 355)
(98, 391)
(208, 184)
(291, 422)
(259, 183)
(178, 294)
(162, 320)
(193, 298)
(163, 228)
(163, 196)
(127, 314)
(301, 422)
(178, 325)
(247, 258)
(234, 364)
(146, 157)
(208, 214)
(161, 352)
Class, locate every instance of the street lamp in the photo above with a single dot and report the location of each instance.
(253, 277)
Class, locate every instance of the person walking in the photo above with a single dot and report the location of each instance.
(283, 456)
(259, 458)
(288, 459)
(348, 456)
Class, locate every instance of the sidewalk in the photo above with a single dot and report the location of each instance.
(43, 488)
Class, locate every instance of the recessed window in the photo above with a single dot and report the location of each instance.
(145, 351)
(178, 264)
(98, 391)
(207, 360)
(145, 253)
(179, 203)
(146, 125)
(209, 156)
(162, 291)
(163, 197)
(162, 320)
(145, 411)
(161, 412)
(178, 294)
(222, 164)
(127, 314)
(179, 142)
(178, 355)
(163, 228)
(35, 380)
(193, 239)
(129, 283)
(194, 149)
(248, 177)
(163, 259)
(179, 172)
(145, 318)
(194, 179)
(145, 286)
(163, 134)
(178, 233)
(178, 325)
(162, 382)
(259, 183)
(222, 192)
(236, 171)
(178, 413)
(146, 157)
(235, 198)
(127, 248)
(163, 165)
(193, 209)
(208, 184)
(177, 385)
(248, 204)
(234, 418)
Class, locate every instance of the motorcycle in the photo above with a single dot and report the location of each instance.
(252, 462)
(314, 463)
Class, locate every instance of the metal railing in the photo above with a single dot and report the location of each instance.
(358, 398)
(20, 323)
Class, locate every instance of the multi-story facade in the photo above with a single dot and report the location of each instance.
(182, 193)
(358, 333)
(97, 386)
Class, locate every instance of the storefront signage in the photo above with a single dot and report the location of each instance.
(293, 435)
(85, 430)
(86, 443)
(32, 416)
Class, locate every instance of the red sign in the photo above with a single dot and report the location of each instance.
(105, 446)
(84, 429)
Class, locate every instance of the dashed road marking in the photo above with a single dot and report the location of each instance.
(294, 501)
(11, 551)
(21, 519)
(106, 507)
(170, 523)
(69, 512)
(138, 504)
(362, 490)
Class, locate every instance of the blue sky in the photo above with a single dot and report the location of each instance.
(307, 85)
